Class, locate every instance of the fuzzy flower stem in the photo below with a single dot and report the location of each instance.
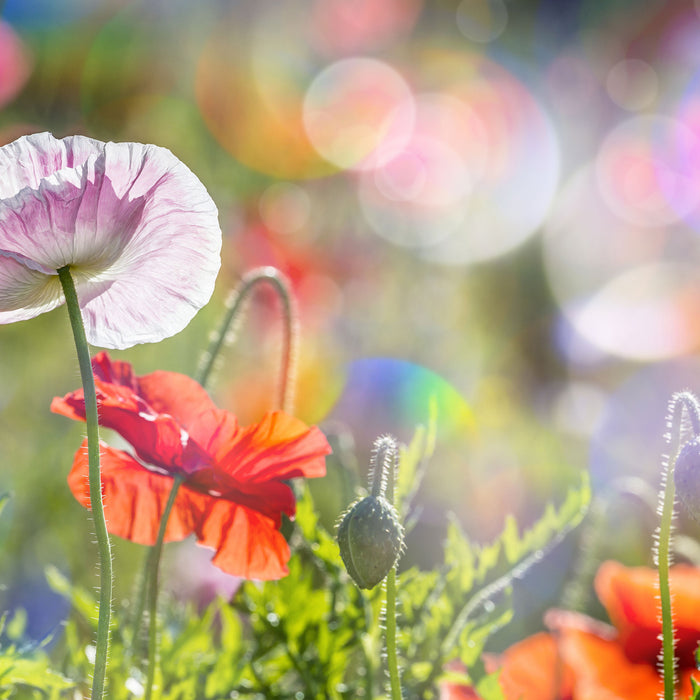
(96, 506)
(290, 317)
(234, 306)
(391, 657)
(384, 464)
(681, 404)
(152, 583)
(383, 467)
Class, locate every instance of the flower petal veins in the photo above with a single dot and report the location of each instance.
(137, 228)
(234, 488)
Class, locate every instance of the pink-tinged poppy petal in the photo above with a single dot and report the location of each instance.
(278, 447)
(134, 497)
(25, 291)
(137, 228)
(28, 160)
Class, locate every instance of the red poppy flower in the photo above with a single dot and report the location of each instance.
(585, 659)
(630, 595)
(234, 490)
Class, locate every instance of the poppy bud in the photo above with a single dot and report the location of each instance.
(370, 538)
(687, 476)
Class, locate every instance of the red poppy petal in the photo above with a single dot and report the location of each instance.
(134, 497)
(278, 447)
(602, 671)
(177, 395)
(271, 498)
(457, 691)
(630, 595)
(113, 371)
(533, 669)
(247, 543)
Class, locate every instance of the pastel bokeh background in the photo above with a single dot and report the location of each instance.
(490, 207)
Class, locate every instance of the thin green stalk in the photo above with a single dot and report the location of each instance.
(152, 586)
(384, 470)
(149, 592)
(96, 506)
(234, 305)
(391, 656)
(681, 404)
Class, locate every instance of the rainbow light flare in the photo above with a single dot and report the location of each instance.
(387, 395)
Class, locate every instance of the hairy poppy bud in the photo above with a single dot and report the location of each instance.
(687, 476)
(370, 538)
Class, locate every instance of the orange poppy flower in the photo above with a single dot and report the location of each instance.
(630, 596)
(234, 491)
(584, 659)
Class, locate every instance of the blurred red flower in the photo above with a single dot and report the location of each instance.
(584, 659)
(234, 490)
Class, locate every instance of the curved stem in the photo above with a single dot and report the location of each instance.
(152, 586)
(234, 304)
(681, 405)
(96, 506)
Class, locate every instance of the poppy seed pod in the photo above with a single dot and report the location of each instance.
(687, 476)
(370, 538)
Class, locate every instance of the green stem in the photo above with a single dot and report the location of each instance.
(149, 592)
(391, 656)
(136, 614)
(96, 506)
(234, 304)
(152, 586)
(680, 404)
(384, 472)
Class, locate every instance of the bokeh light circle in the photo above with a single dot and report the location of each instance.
(250, 91)
(632, 84)
(482, 20)
(630, 290)
(358, 112)
(477, 175)
(640, 175)
(345, 27)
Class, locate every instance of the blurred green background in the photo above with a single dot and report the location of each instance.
(494, 206)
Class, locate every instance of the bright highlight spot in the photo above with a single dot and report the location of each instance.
(475, 178)
(358, 113)
(640, 174)
(629, 290)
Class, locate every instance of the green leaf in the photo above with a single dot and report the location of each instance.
(489, 688)
(82, 600)
(413, 460)
(33, 673)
